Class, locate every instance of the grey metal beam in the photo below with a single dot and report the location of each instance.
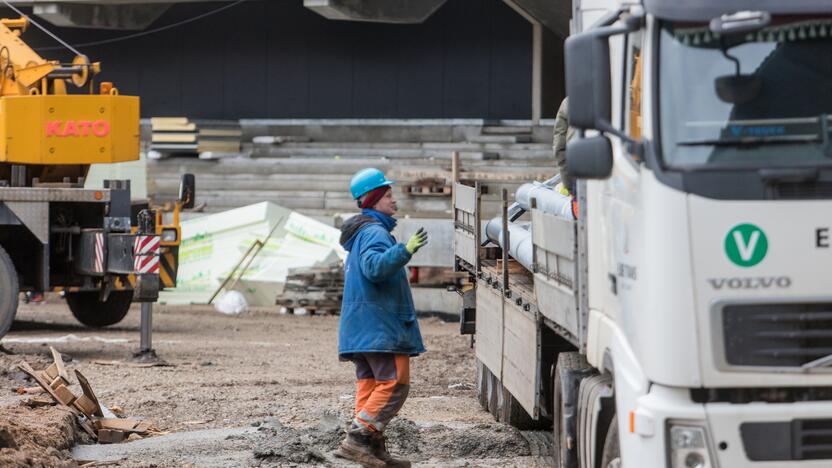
(379, 11)
(554, 14)
(121, 17)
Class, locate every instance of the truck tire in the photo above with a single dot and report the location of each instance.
(495, 395)
(90, 311)
(482, 384)
(612, 454)
(9, 292)
(565, 416)
(515, 415)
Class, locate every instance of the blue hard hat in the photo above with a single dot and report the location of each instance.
(367, 179)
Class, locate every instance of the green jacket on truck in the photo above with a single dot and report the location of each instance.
(562, 134)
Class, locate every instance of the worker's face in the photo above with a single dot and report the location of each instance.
(387, 204)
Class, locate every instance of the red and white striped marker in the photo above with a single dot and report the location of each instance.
(99, 252)
(143, 264)
(146, 254)
(146, 245)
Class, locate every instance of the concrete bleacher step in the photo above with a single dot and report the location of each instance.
(501, 138)
(316, 166)
(256, 182)
(506, 130)
(296, 151)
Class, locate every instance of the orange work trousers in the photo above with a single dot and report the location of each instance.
(383, 382)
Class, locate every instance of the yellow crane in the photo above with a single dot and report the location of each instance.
(99, 247)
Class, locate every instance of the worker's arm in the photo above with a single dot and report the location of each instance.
(561, 136)
(380, 257)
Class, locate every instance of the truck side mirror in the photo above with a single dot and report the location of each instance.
(589, 158)
(187, 190)
(588, 82)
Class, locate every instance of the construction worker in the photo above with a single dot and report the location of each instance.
(378, 329)
(562, 134)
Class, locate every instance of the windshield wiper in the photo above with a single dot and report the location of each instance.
(781, 140)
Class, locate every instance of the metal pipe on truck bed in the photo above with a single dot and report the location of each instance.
(516, 209)
(548, 200)
(520, 238)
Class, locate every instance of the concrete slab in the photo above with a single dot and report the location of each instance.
(203, 447)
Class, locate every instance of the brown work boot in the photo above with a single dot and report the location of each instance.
(358, 447)
(379, 443)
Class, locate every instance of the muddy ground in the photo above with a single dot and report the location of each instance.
(261, 389)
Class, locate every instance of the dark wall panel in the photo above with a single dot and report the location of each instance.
(288, 62)
(467, 58)
(245, 80)
(276, 59)
(203, 61)
(511, 57)
(375, 60)
(330, 69)
(420, 70)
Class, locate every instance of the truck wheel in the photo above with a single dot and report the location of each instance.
(612, 453)
(90, 311)
(482, 384)
(565, 414)
(515, 415)
(495, 395)
(9, 292)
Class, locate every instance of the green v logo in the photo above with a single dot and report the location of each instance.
(746, 245)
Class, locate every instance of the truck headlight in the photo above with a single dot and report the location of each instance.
(689, 447)
(168, 235)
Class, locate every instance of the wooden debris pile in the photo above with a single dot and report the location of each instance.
(94, 418)
(427, 187)
(316, 289)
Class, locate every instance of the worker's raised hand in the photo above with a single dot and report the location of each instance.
(417, 241)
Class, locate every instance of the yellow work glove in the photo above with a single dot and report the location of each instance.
(562, 190)
(417, 241)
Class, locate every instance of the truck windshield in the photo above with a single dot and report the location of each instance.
(760, 100)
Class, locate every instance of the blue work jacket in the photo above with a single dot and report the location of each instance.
(377, 313)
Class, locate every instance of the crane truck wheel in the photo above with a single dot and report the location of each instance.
(9, 292)
(611, 457)
(89, 310)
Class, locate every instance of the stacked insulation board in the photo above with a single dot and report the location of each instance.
(173, 135)
(178, 135)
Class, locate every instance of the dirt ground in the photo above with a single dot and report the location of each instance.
(260, 389)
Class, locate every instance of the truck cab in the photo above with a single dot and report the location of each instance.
(705, 181)
(684, 319)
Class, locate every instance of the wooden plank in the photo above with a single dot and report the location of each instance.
(465, 247)
(87, 388)
(520, 357)
(489, 324)
(553, 233)
(25, 367)
(174, 138)
(188, 127)
(168, 121)
(465, 198)
(220, 132)
(219, 146)
(557, 303)
(59, 365)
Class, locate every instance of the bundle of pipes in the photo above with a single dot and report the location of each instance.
(548, 200)
(520, 236)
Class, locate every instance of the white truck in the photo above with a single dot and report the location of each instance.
(685, 319)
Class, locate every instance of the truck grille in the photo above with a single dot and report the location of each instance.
(777, 335)
(803, 191)
(800, 439)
